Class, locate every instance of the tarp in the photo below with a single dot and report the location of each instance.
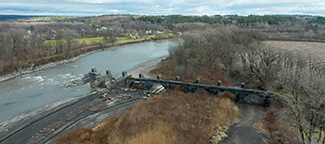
(157, 89)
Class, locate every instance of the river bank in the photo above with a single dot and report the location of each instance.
(17, 123)
(23, 120)
(54, 62)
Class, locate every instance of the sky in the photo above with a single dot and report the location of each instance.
(162, 7)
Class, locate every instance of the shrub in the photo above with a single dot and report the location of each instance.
(173, 117)
(227, 95)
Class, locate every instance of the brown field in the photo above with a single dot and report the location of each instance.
(314, 49)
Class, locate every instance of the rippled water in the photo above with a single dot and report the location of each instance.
(31, 91)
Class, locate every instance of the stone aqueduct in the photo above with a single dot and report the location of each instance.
(248, 96)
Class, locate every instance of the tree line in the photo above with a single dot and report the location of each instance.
(279, 27)
(24, 41)
(250, 19)
(240, 55)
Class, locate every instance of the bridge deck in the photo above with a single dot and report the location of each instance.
(243, 95)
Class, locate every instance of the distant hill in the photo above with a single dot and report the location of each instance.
(7, 17)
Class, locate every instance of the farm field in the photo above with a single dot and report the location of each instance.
(314, 49)
(96, 39)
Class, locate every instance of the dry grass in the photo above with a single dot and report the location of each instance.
(314, 49)
(161, 133)
(227, 95)
(261, 126)
(278, 125)
(174, 117)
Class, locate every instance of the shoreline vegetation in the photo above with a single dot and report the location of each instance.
(52, 61)
(40, 40)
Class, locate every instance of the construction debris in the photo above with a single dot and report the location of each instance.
(157, 89)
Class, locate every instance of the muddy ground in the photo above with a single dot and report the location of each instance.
(243, 132)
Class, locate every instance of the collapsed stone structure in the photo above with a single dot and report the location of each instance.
(249, 96)
(97, 80)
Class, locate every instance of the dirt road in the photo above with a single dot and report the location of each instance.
(243, 132)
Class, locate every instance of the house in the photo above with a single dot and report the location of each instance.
(29, 32)
(148, 31)
(52, 34)
(160, 32)
(101, 29)
(104, 28)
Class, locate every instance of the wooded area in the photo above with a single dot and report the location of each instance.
(226, 48)
(26, 40)
(240, 55)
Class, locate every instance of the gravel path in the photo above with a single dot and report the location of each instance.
(243, 132)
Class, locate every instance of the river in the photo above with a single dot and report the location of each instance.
(31, 91)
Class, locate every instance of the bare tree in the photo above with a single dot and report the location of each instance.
(262, 62)
(112, 38)
(59, 42)
(69, 36)
(304, 89)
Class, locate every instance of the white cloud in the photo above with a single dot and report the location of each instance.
(110, 1)
(158, 7)
(202, 10)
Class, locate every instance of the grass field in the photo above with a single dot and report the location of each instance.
(100, 39)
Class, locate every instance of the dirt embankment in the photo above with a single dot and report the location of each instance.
(146, 68)
(173, 117)
(244, 131)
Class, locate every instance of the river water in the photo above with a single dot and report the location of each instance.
(29, 92)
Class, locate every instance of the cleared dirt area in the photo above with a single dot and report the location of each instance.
(244, 132)
(314, 49)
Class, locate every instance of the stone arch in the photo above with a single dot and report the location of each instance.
(136, 85)
(254, 99)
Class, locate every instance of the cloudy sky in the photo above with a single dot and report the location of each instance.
(161, 7)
